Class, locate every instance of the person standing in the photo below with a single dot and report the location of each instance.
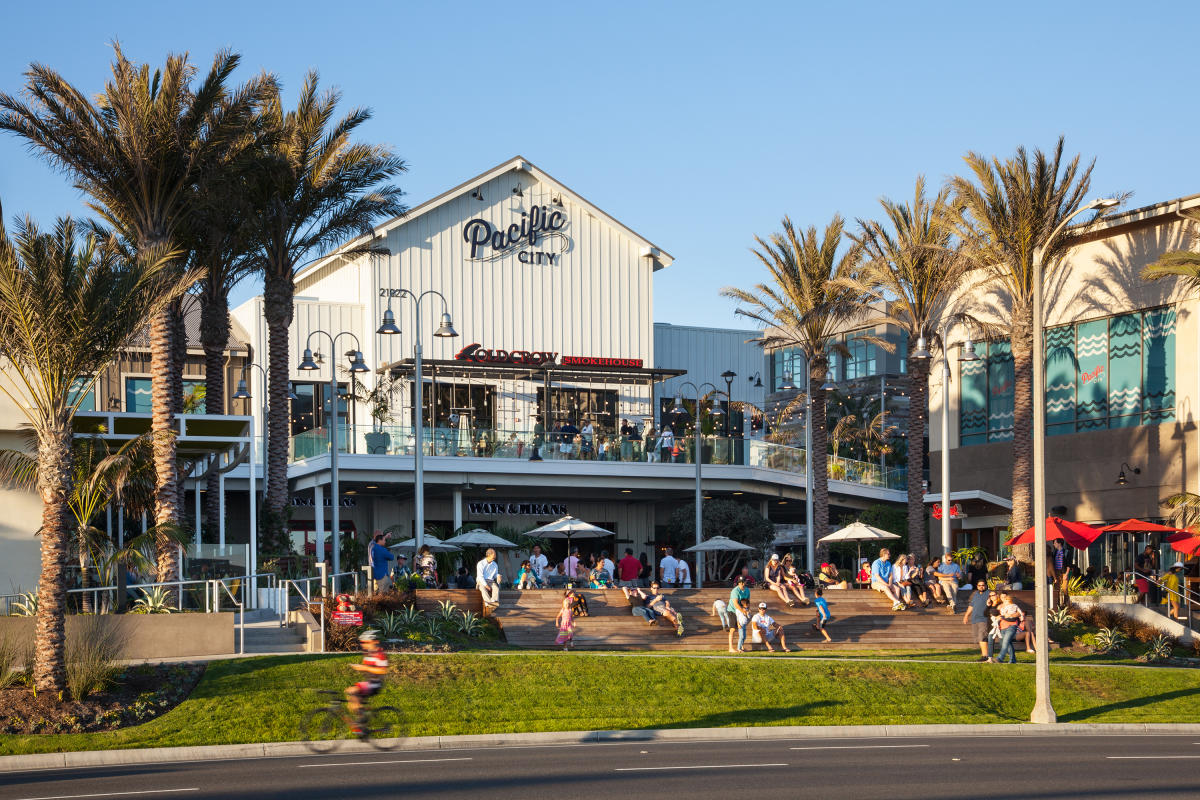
(666, 445)
(487, 579)
(571, 564)
(1173, 583)
(823, 615)
(538, 562)
(381, 563)
(667, 567)
(1011, 617)
(628, 569)
(739, 604)
(565, 622)
(626, 440)
(977, 617)
(683, 574)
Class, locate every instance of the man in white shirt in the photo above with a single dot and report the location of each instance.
(683, 573)
(666, 569)
(538, 563)
(608, 563)
(487, 579)
(769, 629)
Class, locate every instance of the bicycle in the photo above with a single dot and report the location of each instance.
(322, 728)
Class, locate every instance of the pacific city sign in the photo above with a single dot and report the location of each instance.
(541, 225)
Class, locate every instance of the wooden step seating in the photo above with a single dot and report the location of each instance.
(862, 619)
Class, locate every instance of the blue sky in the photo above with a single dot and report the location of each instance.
(697, 124)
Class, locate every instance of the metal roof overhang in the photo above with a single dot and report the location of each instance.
(977, 496)
(449, 368)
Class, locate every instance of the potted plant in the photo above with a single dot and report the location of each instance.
(378, 401)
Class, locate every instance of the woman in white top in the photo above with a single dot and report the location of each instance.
(904, 579)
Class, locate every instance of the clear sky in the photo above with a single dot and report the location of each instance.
(697, 124)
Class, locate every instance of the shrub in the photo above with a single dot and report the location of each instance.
(27, 606)
(469, 624)
(1061, 617)
(92, 653)
(156, 600)
(447, 612)
(10, 651)
(390, 625)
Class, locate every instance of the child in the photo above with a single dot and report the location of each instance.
(566, 623)
(375, 664)
(720, 609)
(823, 615)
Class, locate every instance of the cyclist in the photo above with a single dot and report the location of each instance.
(375, 665)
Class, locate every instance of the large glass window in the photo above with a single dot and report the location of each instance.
(1106, 373)
(789, 360)
(862, 361)
(311, 408)
(137, 395)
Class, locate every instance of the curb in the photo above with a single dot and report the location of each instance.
(160, 755)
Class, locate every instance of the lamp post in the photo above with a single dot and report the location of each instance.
(1043, 710)
(307, 364)
(243, 393)
(728, 375)
(679, 409)
(446, 330)
(968, 354)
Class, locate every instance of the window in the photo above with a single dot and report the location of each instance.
(1107, 373)
(789, 360)
(194, 400)
(89, 400)
(862, 362)
(138, 398)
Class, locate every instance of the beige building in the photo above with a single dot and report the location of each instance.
(1122, 384)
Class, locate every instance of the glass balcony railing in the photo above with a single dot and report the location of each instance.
(398, 440)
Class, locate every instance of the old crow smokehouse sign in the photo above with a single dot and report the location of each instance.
(541, 224)
(480, 355)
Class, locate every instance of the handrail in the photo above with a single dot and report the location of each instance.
(283, 603)
(1185, 596)
(95, 590)
(332, 580)
(215, 582)
(305, 594)
(245, 579)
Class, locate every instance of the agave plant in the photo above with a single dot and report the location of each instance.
(27, 606)
(390, 625)
(410, 617)
(1158, 649)
(433, 629)
(1109, 640)
(447, 611)
(155, 600)
(469, 624)
(1060, 617)
(1078, 586)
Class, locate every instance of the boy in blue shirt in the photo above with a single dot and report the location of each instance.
(823, 615)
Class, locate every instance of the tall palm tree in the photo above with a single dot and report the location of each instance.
(1005, 211)
(101, 475)
(1184, 266)
(67, 307)
(804, 304)
(316, 190)
(914, 270)
(137, 150)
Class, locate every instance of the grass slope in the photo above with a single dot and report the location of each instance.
(261, 699)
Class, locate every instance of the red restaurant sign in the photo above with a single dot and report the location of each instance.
(537, 358)
(590, 361)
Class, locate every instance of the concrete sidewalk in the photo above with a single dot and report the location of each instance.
(161, 755)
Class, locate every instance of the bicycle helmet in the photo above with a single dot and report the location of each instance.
(368, 636)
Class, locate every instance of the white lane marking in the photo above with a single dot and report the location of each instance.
(112, 794)
(698, 766)
(1128, 758)
(860, 747)
(390, 761)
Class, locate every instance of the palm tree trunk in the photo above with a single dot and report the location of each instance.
(54, 486)
(818, 526)
(178, 361)
(918, 416)
(214, 337)
(84, 580)
(277, 296)
(166, 469)
(1022, 471)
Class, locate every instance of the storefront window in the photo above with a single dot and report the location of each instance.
(1107, 373)
(311, 407)
(578, 405)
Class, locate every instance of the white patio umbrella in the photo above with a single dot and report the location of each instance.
(858, 532)
(478, 538)
(436, 545)
(570, 528)
(717, 543)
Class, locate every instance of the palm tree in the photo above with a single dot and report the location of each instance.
(67, 308)
(100, 476)
(137, 150)
(1005, 211)
(806, 302)
(913, 269)
(316, 190)
(1184, 266)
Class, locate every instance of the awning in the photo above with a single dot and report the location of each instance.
(554, 372)
(196, 434)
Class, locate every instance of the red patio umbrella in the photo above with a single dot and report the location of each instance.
(1076, 534)
(1187, 542)
(1138, 526)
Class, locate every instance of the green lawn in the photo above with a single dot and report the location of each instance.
(261, 699)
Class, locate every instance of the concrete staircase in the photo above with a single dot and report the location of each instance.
(263, 634)
(861, 620)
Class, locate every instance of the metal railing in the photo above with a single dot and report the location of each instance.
(1185, 597)
(216, 586)
(332, 580)
(104, 597)
(519, 444)
(305, 595)
(129, 587)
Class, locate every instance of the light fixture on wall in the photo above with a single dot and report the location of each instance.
(756, 379)
(478, 195)
(517, 191)
(556, 200)
(1121, 479)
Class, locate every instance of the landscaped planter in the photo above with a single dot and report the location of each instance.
(148, 635)
(1104, 599)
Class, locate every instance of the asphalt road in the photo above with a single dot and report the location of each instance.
(1060, 766)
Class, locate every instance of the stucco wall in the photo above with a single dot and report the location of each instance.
(149, 635)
